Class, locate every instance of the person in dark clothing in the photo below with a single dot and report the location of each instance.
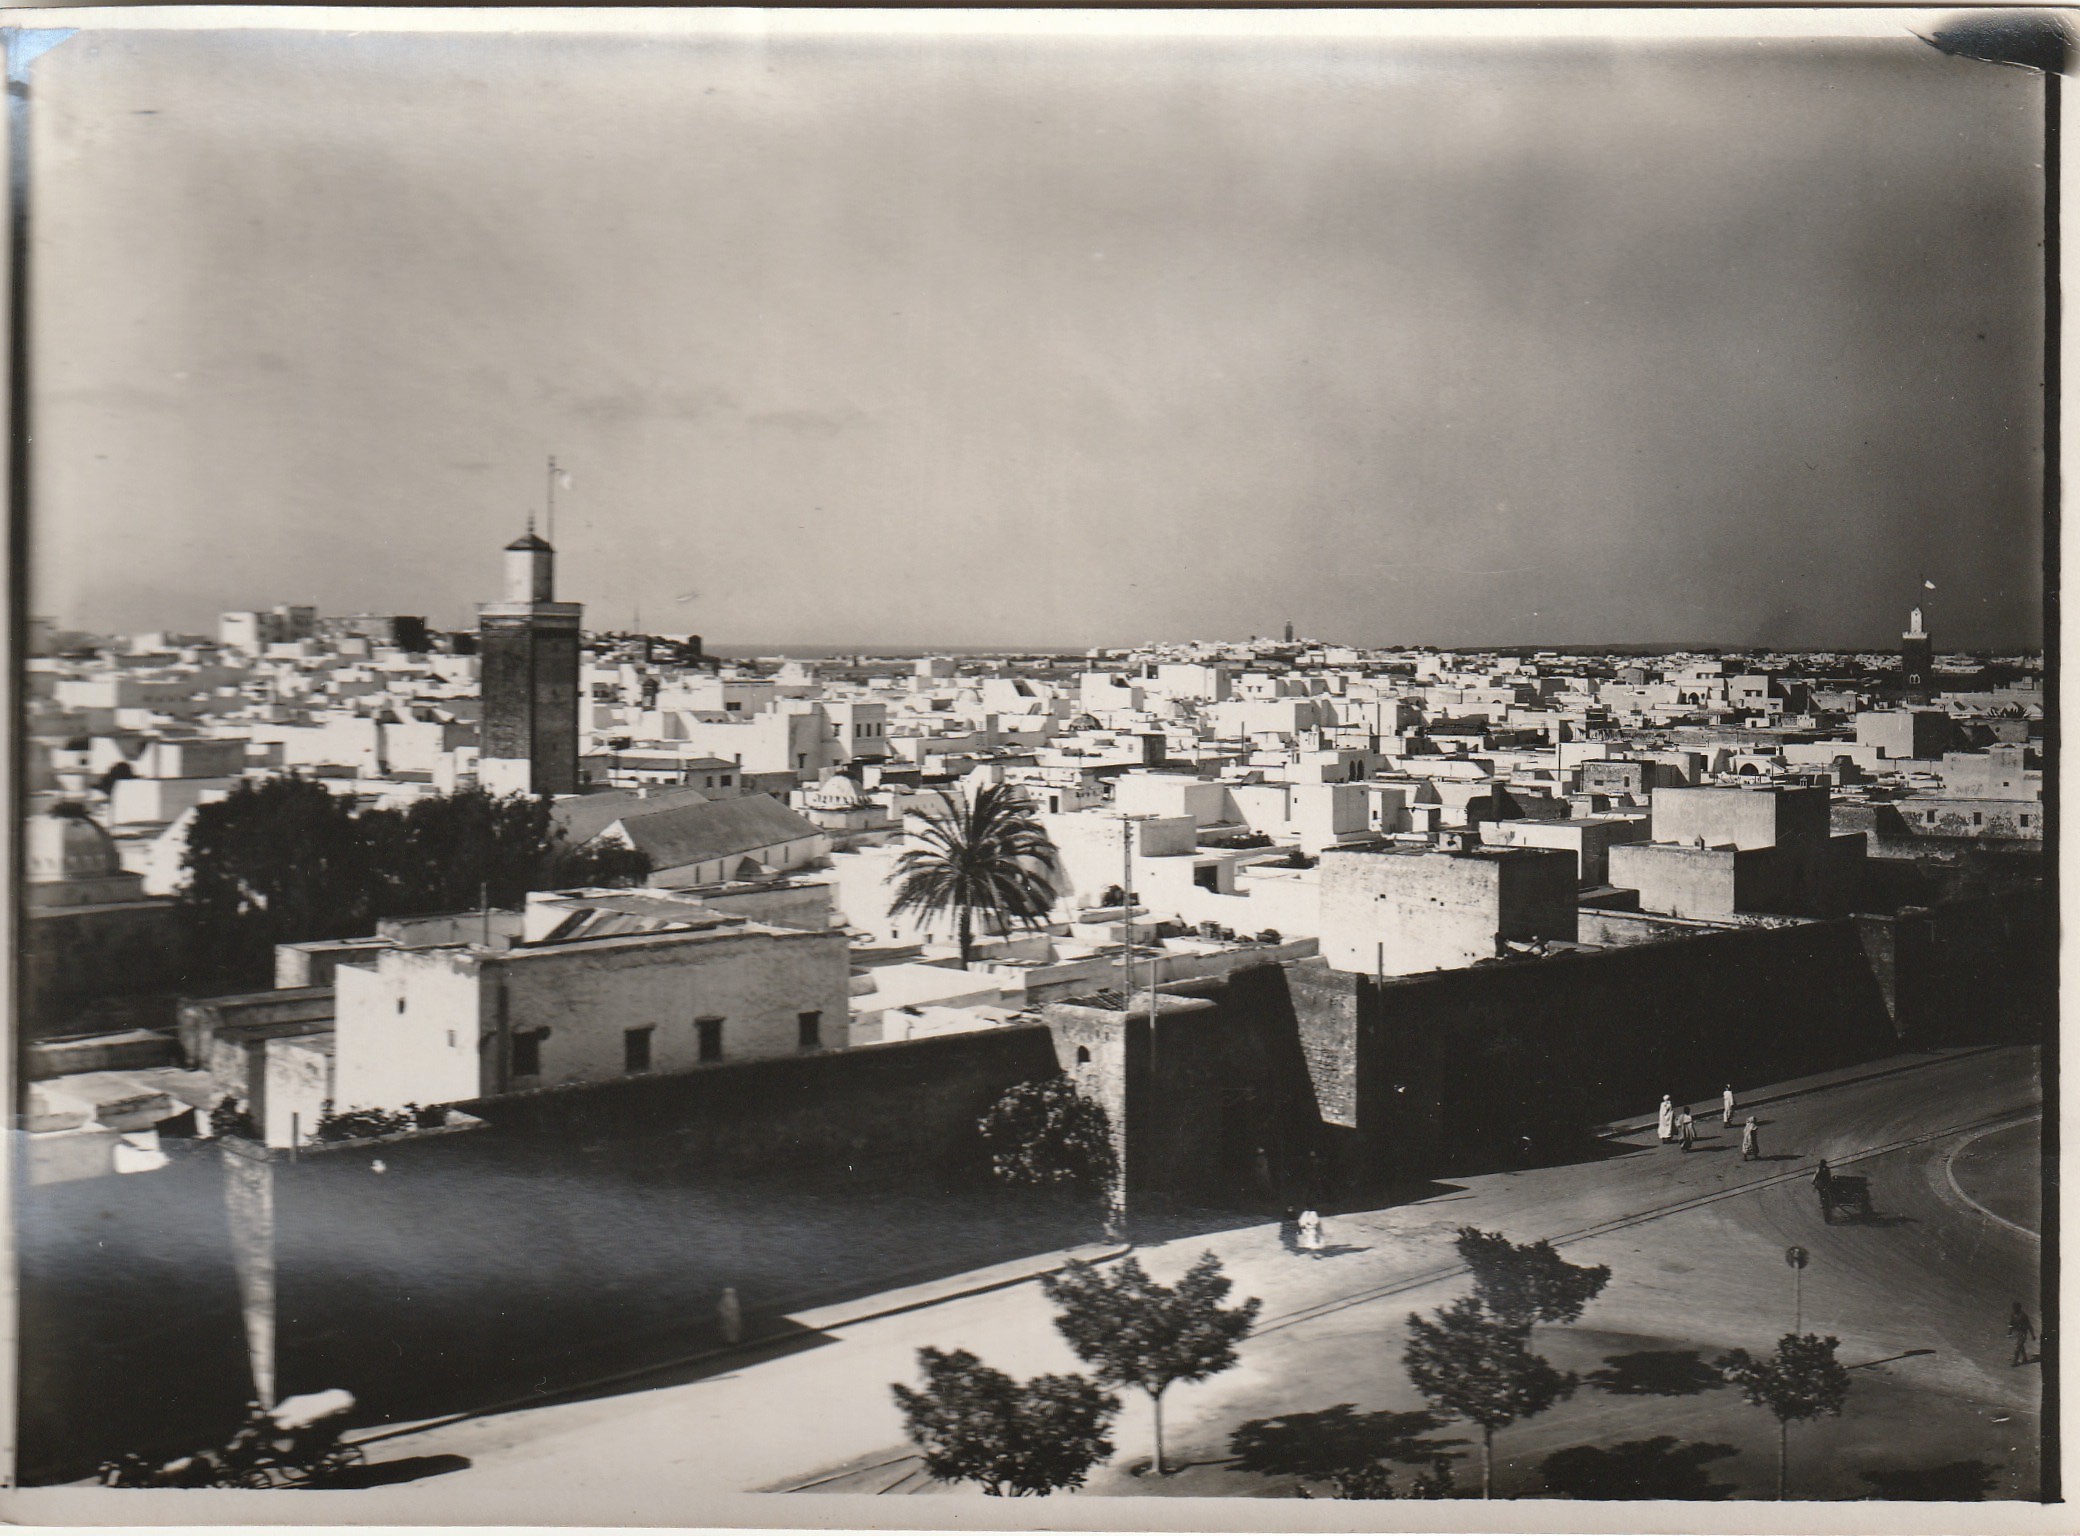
(1289, 1230)
(2023, 1332)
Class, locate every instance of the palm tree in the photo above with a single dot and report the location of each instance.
(983, 853)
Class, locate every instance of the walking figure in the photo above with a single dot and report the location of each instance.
(1311, 1231)
(1289, 1230)
(1751, 1143)
(1666, 1117)
(1726, 1106)
(2023, 1332)
(729, 1314)
(1686, 1127)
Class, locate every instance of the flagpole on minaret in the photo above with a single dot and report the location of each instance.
(550, 533)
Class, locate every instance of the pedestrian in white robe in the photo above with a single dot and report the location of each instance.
(1726, 1106)
(1311, 1230)
(1668, 1119)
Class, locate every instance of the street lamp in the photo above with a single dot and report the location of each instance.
(1797, 1258)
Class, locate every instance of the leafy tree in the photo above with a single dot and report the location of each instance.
(1472, 1365)
(1526, 1283)
(984, 853)
(448, 853)
(976, 1424)
(1043, 1132)
(1141, 1334)
(275, 861)
(283, 860)
(1802, 1380)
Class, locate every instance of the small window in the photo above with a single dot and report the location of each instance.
(710, 1031)
(400, 1005)
(527, 1053)
(635, 1049)
(1083, 1055)
(809, 1030)
(725, 781)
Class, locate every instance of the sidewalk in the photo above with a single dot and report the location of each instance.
(1707, 1106)
(786, 1326)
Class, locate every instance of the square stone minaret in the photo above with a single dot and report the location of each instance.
(527, 648)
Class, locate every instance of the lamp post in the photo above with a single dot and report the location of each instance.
(1797, 1258)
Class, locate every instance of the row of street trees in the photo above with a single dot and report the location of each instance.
(1472, 1360)
(976, 1424)
(285, 860)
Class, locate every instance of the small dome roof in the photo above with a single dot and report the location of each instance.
(531, 540)
(838, 791)
(62, 844)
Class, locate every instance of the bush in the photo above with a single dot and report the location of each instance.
(361, 1124)
(1044, 1133)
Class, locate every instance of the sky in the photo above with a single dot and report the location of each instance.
(958, 340)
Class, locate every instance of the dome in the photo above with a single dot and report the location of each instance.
(62, 844)
(838, 792)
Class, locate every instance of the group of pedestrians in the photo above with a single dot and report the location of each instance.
(1679, 1124)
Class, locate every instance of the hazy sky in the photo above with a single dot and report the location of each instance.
(964, 341)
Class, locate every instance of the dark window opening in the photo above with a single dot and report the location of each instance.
(635, 1049)
(711, 1038)
(1083, 1055)
(810, 1028)
(527, 1053)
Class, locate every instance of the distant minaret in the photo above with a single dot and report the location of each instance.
(1289, 631)
(527, 648)
(1917, 658)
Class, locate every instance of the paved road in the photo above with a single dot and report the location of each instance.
(1695, 1241)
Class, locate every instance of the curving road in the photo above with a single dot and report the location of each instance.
(1917, 1295)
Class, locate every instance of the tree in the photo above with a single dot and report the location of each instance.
(1802, 1380)
(983, 853)
(448, 853)
(274, 862)
(1526, 1283)
(1141, 1334)
(976, 1424)
(285, 860)
(1472, 1365)
(1043, 1132)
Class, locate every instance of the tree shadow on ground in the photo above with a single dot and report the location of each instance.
(1328, 1441)
(405, 1469)
(1660, 1468)
(1655, 1373)
(1952, 1482)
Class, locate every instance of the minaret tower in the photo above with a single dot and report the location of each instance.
(1917, 659)
(527, 648)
